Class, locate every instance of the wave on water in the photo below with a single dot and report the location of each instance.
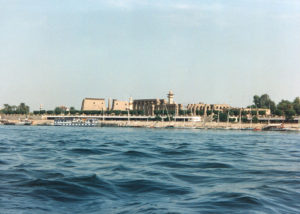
(110, 170)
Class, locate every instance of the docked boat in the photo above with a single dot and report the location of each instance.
(247, 129)
(24, 123)
(170, 127)
(76, 122)
(274, 128)
(27, 123)
(9, 123)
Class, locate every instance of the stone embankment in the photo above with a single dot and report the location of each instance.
(173, 124)
(41, 120)
(20, 118)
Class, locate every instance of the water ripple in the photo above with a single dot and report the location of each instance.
(111, 170)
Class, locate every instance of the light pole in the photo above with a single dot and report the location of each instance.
(102, 114)
(128, 114)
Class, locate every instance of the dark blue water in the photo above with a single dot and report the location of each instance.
(127, 170)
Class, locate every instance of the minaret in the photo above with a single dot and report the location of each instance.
(130, 103)
(171, 97)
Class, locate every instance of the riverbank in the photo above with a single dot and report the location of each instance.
(39, 122)
(199, 125)
(166, 124)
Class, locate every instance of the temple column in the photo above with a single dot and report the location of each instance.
(152, 109)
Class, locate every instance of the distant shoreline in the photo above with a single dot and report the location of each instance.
(197, 125)
(170, 124)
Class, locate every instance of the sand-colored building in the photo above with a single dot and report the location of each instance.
(149, 106)
(194, 108)
(93, 104)
(118, 105)
(198, 107)
(257, 110)
(220, 107)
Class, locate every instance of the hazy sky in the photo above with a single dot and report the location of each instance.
(55, 52)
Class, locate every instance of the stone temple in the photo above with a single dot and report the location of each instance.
(149, 106)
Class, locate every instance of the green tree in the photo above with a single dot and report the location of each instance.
(133, 112)
(22, 109)
(244, 113)
(140, 112)
(58, 110)
(245, 120)
(223, 117)
(117, 112)
(73, 110)
(256, 101)
(42, 111)
(36, 112)
(172, 112)
(255, 119)
(287, 108)
(7, 109)
(264, 101)
(278, 112)
(289, 114)
(296, 105)
(254, 112)
(234, 112)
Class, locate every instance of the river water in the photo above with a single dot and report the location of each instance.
(136, 170)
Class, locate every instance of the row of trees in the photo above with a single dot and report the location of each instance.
(22, 108)
(283, 108)
(223, 117)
